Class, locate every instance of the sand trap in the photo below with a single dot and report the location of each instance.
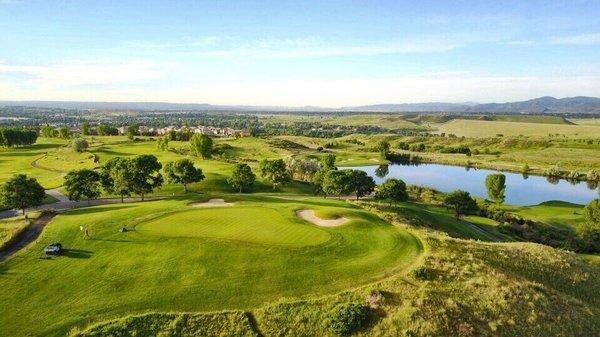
(309, 215)
(213, 203)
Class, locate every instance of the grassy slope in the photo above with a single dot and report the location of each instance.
(472, 128)
(473, 289)
(556, 213)
(113, 273)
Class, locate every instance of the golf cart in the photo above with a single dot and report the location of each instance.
(53, 249)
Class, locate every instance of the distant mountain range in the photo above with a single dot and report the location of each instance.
(579, 104)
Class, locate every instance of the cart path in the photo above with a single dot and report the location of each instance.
(26, 236)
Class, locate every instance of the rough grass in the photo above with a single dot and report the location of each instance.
(473, 128)
(192, 268)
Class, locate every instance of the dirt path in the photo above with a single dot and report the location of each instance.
(309, 215)
(26, 236)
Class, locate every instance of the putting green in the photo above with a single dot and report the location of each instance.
(184, 259)
(262, 225)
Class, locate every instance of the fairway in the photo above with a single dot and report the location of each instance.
(181, 258)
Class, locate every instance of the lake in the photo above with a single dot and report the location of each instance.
(520, 190)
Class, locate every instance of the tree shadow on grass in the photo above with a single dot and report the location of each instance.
(92, 209)
(76, 253)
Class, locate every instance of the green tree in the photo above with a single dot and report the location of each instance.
(392, 190)
(162, 143)
(592, 211)
(461, 202)
(132, 131)
(337, 183)
(183, 172)
(327, 161)
(48, 132)
(82, 184)
(116, 176)
(361, 183)
(145, 174)
(64, 132)
(201, 145)
(274, 171)
(21, 192)
(384, 149)
(242, 177)
(85, 129)
(79, 144)
(496, 186)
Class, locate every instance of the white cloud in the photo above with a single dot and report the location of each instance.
(307, 48)
(87, 73)
(333, 93)
(583, 39)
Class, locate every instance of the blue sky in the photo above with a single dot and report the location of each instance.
(327, 53)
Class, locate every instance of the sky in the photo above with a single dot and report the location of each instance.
(298, 53)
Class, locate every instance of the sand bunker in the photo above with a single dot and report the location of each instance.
(213, 203)
(309, 215)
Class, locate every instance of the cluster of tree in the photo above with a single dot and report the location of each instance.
(126, 176)
(301, 169)
(201, 145)
(242, 178)
(461, 202)
(347, 182)
(274, 171)
(183, 136)
(392, 190)
(50, 132)
(11, 137)
(107, 130)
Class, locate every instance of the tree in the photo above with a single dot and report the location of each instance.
(337, 183)
(360, 182)
(461, 202)
(85, 129)
(79, 144)
(21, 192)
(132, 131)
(384, 149)
(392, 190)
(496, 186)
(10, 137)
(145, 174)
(274, 171)
(162, 143)
(201, 145)
(48, 132)
(107, 130)
(592, 211)
(327, 161)
(301, 169)
(64, 132)
(242, 177)
(183, 172)
(81, 184)
(116, 176)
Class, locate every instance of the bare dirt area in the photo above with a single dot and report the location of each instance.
(309, 215)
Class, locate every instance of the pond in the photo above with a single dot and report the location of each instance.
(520, 189)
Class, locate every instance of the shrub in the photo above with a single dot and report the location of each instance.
(79, 144)
(348, 318)
(421, 273)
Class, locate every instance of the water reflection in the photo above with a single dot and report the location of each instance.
(522, 189)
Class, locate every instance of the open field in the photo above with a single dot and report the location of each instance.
(473, 128)
(180, 258)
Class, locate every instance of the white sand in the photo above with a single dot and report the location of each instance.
(213, 203)
(309, 215)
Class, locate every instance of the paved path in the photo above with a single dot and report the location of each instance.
(26, 236)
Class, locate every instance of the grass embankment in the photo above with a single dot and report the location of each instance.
(464, 288)
(180, 258)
